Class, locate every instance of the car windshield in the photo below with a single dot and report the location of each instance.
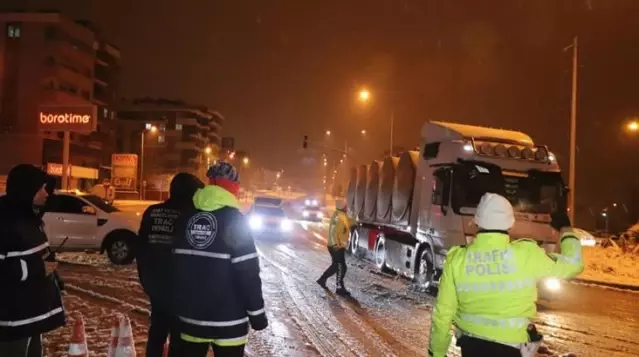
(532, 192)
(100, 203)
(269, 211)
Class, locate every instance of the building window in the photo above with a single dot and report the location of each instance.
(105, 113)
(162, 127)
(148, 126)
(13, 30)
(178, 126)
(161, 139)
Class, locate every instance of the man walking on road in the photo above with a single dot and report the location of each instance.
(30, 300)
(488, 288)
(338, 235)
(154, 257)
(217, 285)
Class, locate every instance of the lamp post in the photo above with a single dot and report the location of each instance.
(152, 129)
(364, 96)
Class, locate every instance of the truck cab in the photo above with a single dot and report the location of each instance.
(436, 191)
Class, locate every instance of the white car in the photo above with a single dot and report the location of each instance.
(269, 220)
(88, 222)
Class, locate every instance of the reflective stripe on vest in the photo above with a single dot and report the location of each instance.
(244, 257)
(517, 322)
(24, 252)
(202, 253)
(32, 319)
(256, 312)
(509, 285)
(214, 323)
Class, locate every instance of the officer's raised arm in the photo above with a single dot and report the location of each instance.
(569, 262)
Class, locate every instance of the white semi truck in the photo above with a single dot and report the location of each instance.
(412, 208)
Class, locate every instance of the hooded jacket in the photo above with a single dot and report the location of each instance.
(30, 301)
(156, 237)
(218, 291)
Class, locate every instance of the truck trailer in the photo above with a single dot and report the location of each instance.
(412, 208)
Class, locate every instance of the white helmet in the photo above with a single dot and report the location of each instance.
(494, 212)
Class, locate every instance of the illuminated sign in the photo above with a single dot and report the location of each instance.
(124, 171)
(74, 118)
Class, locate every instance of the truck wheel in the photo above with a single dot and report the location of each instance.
(380, 254)
(354, 243)
(119, 247)
(425, 269)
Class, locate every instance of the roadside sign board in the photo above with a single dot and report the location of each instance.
(124, 172)
(73, 118)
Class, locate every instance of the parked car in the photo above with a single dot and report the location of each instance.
(89, 223)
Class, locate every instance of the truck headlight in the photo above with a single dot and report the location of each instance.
(255, 222)
(552, 284)
(286, 225)
(314, 203)
(305, 213)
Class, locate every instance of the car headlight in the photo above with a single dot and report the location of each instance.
(320, 215)
(314, 203)
(255, 222)
(307, 202)
(552, 284)
(588, 242)
(286, 225)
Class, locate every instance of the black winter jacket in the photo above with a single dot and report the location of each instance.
(30, 301)
(218, 290)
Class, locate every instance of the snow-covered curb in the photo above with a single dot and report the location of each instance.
(607, 266)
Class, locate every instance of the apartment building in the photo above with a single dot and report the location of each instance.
(169, 136)
(49, 59)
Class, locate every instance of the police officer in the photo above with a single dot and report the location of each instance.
(488, 288)
(154, 255)
(338, 234)
(218, 290)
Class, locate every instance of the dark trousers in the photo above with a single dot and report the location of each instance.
(26, 347)
(162, 325)
(338, 266)
(190, 349)
(476, 347)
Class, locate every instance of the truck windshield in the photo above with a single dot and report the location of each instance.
(532, 192)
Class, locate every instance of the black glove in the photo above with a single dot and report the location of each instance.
(259, 322)
(559, 220)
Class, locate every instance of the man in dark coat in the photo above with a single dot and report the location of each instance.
(154, 256)
(30, 300)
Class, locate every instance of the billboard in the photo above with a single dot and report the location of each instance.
(74, 118)
(124, 171)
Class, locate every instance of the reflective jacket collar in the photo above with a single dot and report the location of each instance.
(212, 198)
(491, 238)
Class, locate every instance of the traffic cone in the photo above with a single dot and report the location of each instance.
(115, 335)
(78, 346)
(126, 347)
(166, 349)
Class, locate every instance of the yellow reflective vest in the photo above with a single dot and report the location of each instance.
(488, 289)
(339, 230)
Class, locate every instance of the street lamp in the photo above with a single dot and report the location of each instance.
(633, 126)
(363, 132)
(328, 133)
(364, 95)
(208, 150)
(245, 161)
(152, 129)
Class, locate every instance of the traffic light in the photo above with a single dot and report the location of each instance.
(305, 143)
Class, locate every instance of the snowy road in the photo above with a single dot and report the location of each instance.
(387, 319)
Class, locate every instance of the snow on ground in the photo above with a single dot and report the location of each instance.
(608, 265)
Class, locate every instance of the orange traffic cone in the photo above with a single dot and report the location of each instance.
(166, 349)
(126, 347)
(78, 346)
(115, 335)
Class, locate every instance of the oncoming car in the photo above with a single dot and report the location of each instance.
(87, 222)
(269, 220)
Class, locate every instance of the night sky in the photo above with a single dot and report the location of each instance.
(280, 69)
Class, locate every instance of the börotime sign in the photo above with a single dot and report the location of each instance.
(74, 118)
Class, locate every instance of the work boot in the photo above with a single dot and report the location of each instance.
(342, 292)
(322, 283)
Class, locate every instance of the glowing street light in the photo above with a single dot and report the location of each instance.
(328, 133)
(208, 150)
(633, 126)
(363, 131)
(364, 95)
(245, 161)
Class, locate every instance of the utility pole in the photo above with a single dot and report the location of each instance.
(573, 130)
(392, 124)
